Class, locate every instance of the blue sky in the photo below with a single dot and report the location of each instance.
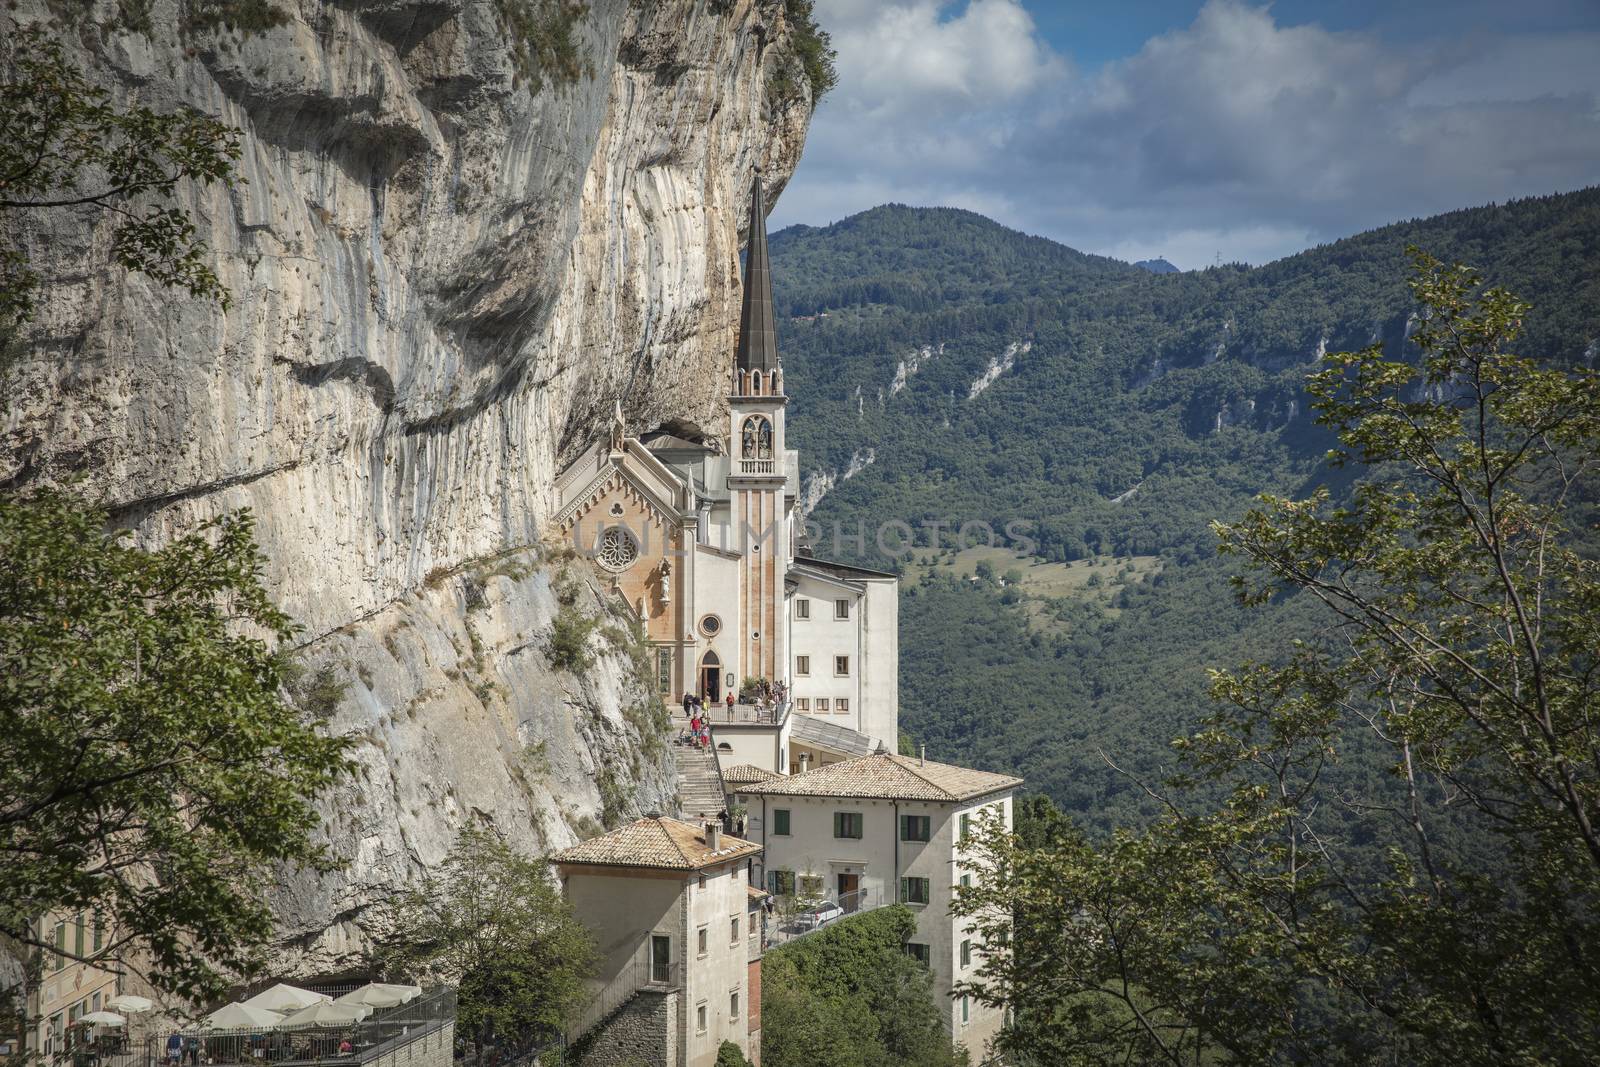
(1194, 130)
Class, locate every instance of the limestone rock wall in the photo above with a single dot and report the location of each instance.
(459, 712)
(441, 282)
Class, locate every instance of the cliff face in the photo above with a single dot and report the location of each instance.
(441, 281)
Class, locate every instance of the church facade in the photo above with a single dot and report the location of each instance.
(701, 538)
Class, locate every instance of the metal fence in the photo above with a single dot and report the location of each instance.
(636, 974)
(793, 919)
(379, 1033)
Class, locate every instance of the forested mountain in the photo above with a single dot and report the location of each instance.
(945, 369)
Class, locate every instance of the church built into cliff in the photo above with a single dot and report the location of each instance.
(701, 539)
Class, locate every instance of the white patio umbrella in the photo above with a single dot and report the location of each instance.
(241, 1017)
(286, 998)
(326, 1014)
(132, 1005)
(380, 995)
(102, 1018)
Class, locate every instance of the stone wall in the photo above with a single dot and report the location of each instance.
(642, 1033)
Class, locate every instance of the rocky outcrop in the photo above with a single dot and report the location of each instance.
(441, 281)
(460, 709)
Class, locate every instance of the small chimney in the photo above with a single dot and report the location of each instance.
(922, 755)
(805, 762)
(713, 836)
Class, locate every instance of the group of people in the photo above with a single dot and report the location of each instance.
(694, 709)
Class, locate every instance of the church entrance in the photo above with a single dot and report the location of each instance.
(711, 678)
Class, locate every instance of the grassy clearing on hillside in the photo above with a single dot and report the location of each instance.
(1098, 579)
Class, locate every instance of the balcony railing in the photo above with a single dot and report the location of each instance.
(378, 1034)
(757, 466)
(793, 920)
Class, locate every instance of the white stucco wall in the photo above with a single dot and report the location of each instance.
(822, 637)
(881, 859)
(716, 592)
(623, 908)
(879, 674)
(722, 970)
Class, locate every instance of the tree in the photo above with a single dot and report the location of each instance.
(728, 1055)
(65, 145)
(1461, 648)
(850, 995)
(493, 922)
(151, 774)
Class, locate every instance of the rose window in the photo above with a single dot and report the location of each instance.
(618, 550)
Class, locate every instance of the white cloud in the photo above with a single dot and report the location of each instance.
(904, 56)
(1235, 134)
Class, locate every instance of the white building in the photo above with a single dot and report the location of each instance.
(876, 830)
(671, 908)
(699, 534)
(844, 633)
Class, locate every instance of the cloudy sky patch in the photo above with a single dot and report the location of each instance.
(1233, 129)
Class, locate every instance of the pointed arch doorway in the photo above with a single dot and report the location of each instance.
(710, 678)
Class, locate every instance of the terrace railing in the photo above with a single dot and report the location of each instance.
(378, 1034)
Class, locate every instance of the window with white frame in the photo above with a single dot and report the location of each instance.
(802, 608)
(700, 1018)
(802, 665)
(701, 942)
(802, 703)
(822, 703)
(841, 706)
(841, 608)
(841, 666)
(733, 1004)
(733, 923)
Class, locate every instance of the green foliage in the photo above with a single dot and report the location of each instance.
(569, 638)
(492, 922)
(151, 774)
(728, 1055)
(1121, 388)
(850, 995)
(319, 693)
(65, 145)
(813, 51)
(543, 44)
(236, 16)
(1463, 629)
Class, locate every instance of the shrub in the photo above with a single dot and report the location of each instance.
(569, 639)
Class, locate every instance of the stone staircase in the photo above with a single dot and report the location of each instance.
(700, 793)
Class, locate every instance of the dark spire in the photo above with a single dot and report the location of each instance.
(758, 338)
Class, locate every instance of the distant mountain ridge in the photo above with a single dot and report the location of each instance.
(991, 376)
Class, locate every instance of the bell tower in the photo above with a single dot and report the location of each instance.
(758, 470)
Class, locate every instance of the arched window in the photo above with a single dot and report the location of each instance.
(756, 438)
(755, 384)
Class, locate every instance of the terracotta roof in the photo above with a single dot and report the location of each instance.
(656, 842)
(887, 777)
(755, 894)
(746, 772)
